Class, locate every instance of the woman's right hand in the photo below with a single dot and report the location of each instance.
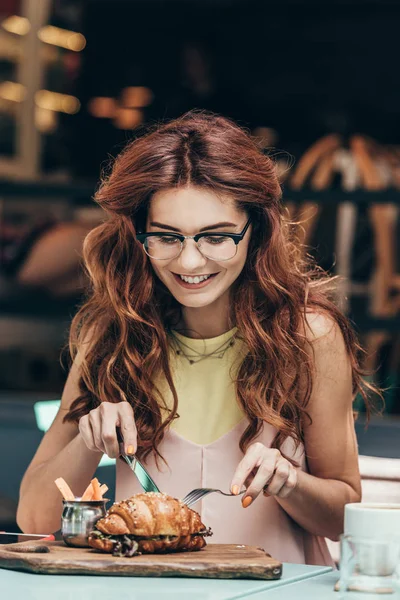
(98, 428)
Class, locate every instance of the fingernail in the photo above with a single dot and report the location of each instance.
(247, 501)
(235, 489)
(130, 450)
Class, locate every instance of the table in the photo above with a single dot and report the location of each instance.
(313, 588)
(15, 585)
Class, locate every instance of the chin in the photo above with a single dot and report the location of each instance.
(190, 301)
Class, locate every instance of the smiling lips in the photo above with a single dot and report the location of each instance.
(194, 282)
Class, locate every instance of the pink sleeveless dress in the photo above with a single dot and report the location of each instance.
(193, 465)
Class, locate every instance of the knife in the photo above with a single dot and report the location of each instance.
(141, 473)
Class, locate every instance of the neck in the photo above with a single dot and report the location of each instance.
(208, 321)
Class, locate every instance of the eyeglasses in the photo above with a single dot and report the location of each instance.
(215, 246)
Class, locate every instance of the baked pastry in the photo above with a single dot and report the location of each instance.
(149, 523)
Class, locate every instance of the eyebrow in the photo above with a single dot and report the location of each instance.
(208, 228)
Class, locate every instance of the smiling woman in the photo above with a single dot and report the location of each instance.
(213, 345)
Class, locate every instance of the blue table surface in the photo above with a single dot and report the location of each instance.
(15, 585)
(320, 587)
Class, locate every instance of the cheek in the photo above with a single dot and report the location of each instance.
(157, 268)
(236, 265)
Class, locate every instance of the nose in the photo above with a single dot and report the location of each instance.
(191, 258)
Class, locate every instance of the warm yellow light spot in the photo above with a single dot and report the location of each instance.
(136, 97)
(9, 90)
(102, 107)
(45, 120)
(71, 40)
(58, 102)
(16, 24)
(69, 105)
(76, 42)
(128, 118)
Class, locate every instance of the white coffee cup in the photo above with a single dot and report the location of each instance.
(372, 520)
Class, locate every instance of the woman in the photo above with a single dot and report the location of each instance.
(212, 346)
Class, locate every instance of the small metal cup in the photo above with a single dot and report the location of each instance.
(78, 520)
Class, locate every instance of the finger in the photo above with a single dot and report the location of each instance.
(290, 484)
(109, 438)
(251, 460)
(95, 424)
(250, 478)
(263, 475)
(279, 478)
(105, 418)
(86, 432)
(128, 427)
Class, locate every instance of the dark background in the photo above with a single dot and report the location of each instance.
(303, 68)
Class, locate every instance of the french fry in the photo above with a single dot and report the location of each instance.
(103, 489)
(88, 493)
(64, 489)
(96, 489)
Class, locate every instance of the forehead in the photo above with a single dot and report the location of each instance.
(191, 208)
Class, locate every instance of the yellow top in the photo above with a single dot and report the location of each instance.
(207, 404)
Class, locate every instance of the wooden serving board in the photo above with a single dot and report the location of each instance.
(220, 561)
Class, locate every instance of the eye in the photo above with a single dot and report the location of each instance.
(166, 239)
(215, 239)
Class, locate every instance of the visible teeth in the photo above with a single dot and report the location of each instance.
(194, 279)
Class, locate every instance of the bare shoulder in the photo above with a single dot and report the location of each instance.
(321, 328)
(326, 344)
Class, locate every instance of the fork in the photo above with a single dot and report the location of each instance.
(199, 493)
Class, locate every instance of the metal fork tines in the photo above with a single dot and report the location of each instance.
(199, 493)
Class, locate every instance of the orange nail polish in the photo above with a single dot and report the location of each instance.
(235, 489)
(130, 450)
(247, 501)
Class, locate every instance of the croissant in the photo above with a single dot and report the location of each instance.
(149, 523)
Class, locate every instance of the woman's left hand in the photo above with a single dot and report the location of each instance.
(264, 470)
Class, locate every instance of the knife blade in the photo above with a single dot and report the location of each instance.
(143, 476)
(133, 462)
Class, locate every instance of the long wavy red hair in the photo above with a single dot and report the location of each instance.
(126, 317)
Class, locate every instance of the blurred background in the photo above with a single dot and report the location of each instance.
(316, 83)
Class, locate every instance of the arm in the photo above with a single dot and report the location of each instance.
(62, 453)
(315, 500)
(73, 453)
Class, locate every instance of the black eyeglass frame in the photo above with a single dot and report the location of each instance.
(236, 237)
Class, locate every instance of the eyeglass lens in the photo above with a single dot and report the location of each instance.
(167, 247)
